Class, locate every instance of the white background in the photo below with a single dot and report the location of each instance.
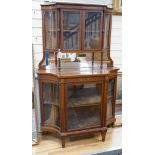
(138, 77)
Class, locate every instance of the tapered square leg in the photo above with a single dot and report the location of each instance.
(103, 136)
(113, 125)
(44, 133)
(63, 141)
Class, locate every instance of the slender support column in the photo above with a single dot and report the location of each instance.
(56, 58)
(93, 59)
(59, 64)
(101, 60)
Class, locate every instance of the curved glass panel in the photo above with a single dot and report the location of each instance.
(50, 29)
(51, 104)
(110, 98)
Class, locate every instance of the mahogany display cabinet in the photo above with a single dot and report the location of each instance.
(76, 98)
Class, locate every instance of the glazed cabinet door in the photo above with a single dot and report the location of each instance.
(71, 28)
(92, 30)
(83, 105)
(50, 104)
(107, 31)
(111, 99)
(50, 29)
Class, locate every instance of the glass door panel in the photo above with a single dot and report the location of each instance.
(92, 30)
(110, 98)
(51, 104)
(71, 30)
(83, 105)
(106, 31)
(50, 29)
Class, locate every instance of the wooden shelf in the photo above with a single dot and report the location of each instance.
(84, 101)
(76, 105)
(49, 103)
(51, 30)
(70, 30)
(110, 97)
(92, 31)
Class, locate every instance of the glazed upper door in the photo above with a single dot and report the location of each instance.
(71, 30)
(92, 30)
(106, 31)
(50, 29)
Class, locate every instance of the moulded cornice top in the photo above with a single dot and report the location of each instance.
(74, 3)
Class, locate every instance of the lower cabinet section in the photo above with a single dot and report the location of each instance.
(77, 108)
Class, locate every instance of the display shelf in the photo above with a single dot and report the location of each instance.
(110, 97)
(70, 30)
(82, 105)
(92, 31)
(51, 30)
(51, 103)
(84, 101)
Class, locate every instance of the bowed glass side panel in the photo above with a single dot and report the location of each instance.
(83, 105)
(71, 30)
(51, 104)
(92, 30)
(106, 31)
(50, 19)
(110, 98)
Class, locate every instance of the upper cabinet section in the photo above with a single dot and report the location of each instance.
(76, 28)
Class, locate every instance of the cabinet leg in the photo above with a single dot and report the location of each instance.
(63, 141)
(44, 133)
(113, 125)
(103, 136)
